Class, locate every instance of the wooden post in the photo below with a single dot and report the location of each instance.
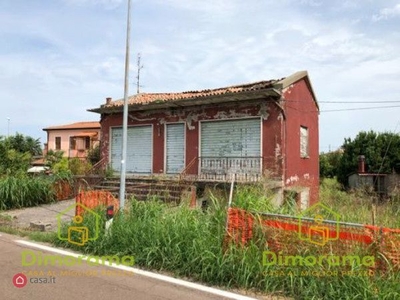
(193, 198)
(373, 213)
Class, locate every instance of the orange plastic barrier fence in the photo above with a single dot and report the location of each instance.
(63, 190)
(240, 225)
(92, 199)
(282, 234)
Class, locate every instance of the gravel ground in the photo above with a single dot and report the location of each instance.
(44, 216)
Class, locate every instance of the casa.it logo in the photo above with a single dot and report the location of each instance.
(317, 231)
(20, 280)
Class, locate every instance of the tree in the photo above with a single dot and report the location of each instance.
(13, 162)
(381, 151)
(329, 163)
(16, 153)
(53, 157)
(23, 144)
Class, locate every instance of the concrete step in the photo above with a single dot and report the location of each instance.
(144, 188)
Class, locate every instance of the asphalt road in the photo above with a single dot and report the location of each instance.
(81, 281)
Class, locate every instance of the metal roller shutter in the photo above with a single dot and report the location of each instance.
(233, 138)
(116, 148)
(175, 148)
(139, 149)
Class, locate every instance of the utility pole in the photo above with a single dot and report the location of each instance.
(139, 67)
(8, 127)
(125, 115)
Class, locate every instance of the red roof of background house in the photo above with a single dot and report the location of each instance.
(163, 97)
(77, 125)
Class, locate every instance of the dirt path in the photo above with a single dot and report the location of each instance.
(44, 216)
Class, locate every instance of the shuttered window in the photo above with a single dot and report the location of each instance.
(139, 152)
(116, 148)
(72, 143)
(232, 138)
(139, 149)
(175, 148)
(58, 143)
(87, 143)
(304, 142)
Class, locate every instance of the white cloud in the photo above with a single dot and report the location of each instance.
(109, 4)
(311, 2)
(206, 6)
(60, 60)
(387, 13)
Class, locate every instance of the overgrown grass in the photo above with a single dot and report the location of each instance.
(190, 243)
(44, 237)
(357, 206)
(25, 191)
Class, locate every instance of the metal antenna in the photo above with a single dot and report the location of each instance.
(139, 67)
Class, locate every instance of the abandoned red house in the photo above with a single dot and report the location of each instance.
(249, 131)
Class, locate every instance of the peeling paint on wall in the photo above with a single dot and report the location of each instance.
(277, 150)
(292, 179)
(140, 119)
(306, 176)
(231, 114)
(193, 117)
(288, 90)
(264, 111)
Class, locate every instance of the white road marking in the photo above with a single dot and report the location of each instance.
(168, 279)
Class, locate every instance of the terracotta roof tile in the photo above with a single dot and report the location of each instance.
(143, 98)
(77, 125)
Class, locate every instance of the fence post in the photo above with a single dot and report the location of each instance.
(193, 199)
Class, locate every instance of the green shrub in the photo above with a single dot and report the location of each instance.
(94, 155)
(79, 167)
(357, 206)
(62, 166)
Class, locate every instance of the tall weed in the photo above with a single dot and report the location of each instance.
(191, 243)
(25, 191)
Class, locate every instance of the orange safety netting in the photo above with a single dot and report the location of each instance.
(285, 234)
(92, 199)
(63, 190)
(240, 225)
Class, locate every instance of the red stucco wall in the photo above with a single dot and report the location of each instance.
(301, 110)
(271, 130)
(280, 132)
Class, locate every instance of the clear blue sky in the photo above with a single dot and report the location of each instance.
(61, 57)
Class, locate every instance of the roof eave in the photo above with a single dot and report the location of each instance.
(80, 128)
(286, 82)
(187, 102)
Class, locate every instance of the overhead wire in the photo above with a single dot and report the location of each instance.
(350, 102)
(343, 109)
(359, 108)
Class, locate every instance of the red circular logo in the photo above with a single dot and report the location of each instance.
(20, 280)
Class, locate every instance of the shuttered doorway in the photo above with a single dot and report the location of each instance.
(139, 149)
(175, 141)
